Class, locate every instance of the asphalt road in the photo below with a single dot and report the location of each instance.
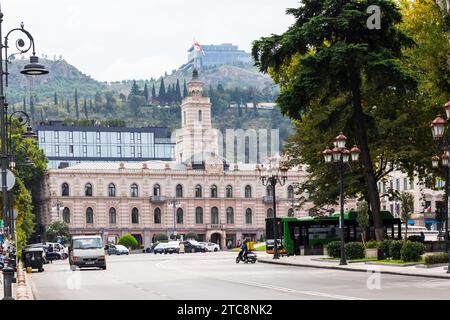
(215, 275)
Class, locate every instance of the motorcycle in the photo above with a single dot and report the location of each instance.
(250, 257)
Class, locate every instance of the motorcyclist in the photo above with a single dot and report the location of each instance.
(244, 250)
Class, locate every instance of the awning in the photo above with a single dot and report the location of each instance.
(411, 222)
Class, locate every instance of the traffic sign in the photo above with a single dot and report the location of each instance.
(10, 180)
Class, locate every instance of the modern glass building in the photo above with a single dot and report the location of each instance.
(74, 144)
(215, 55)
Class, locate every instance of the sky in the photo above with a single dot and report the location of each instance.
(113, 40)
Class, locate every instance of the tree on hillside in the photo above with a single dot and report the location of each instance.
(85, 108)
(135, 89)
(55, 99)
(67, 105)
(185, 90)
(145, 93)
(178, 92)
(77, 111)
(110, 103)
(32, 109)
(162, 92)
(329, 58)
(153, 91)
(97, 101)
(135, 102)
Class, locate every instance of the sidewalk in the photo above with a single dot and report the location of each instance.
(439, 272)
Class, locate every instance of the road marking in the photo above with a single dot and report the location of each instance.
(265, 286)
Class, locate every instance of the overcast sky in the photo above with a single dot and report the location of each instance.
(138, 39)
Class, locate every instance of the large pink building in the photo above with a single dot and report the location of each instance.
(219, 201)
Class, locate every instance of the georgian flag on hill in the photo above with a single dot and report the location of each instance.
(198, 47)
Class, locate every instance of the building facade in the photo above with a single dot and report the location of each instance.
(221, 202)
(74, 144)
(217, 55)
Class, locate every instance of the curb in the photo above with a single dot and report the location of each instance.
(354, 270)
(23, 290)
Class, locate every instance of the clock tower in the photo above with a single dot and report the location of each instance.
(196, 138)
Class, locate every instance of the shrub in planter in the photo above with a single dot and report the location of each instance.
(372, 244)
(354, 250)
(384, 245)
(128, 241)
(436, 258)
(415, 239)
(161, 237)
(394, 249)
(334, 249)
(411, 251)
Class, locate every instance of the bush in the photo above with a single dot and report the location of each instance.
(416, 239)
(372, 244)
(128, 241)
(441, 257)
(354, 250)
(161, 237)
(411, 251)
(394, 249)
(384, 245)
(334, 249)
(192, 235)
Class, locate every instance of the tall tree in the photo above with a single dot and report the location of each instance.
(185, 90)
(55, 99)
(333, 55)
(77, 111)
(32, 109)
(135, 89)
(162, 92)
(67, 105)
(85, 108)
(178, 92)
(145, 93)
(153, 91)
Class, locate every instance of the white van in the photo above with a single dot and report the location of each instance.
(87, 252)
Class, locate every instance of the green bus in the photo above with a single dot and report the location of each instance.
(313, 233)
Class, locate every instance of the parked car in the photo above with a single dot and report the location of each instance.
(117, 249)
(47, 255)
(160, 248)
(193, 246)
(210, 246)
(172, 247)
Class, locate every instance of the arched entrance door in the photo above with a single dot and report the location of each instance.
(215, 238)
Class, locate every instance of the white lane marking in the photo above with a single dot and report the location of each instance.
(265, 286)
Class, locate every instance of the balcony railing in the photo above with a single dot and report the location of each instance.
(269, 199)
(158, 199)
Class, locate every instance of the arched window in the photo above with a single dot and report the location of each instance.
(180, 216)
(89, 215)
(66, 215)
(198, 191)
(134, 190)
(213, 191)
(248, 216)
(229, 191)
(230, 215)
(200, 115)
(199, 215)
(88, 190)
(270, 213)
(269, 191)
(111, 190)
(134, 215)
(65, 190)
(290, 191)
(156, 190)
(157, 216)
(214, 215)
(290, 212)
(248, 191)
(179, 191)
(112, 216)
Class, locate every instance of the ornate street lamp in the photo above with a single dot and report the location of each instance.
(175, 204)
(443, 142)
(275, 174)
(340, 158)
(34, 68)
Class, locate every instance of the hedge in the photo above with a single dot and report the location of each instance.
(161, 237)
(436, 258)
(394, 249)
(412, 251)
(334, 249)
(372, 244)
(128, 241)
(355, 250)
(384, 245)
(416, 238)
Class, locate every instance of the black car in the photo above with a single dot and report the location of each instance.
(160, 248)
(172, 247)
(193, 246)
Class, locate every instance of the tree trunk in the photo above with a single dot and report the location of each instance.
(369, 174)
(406, 230)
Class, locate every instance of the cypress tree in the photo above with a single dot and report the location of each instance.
(85, 108)
(42, 114)
(146, 95)
(91, 105)
(77, 112)
(185, 91)
(32, 110)
(55, 99)
(162, 92)
(153, 91)
(178, 92)
(67, 105)
(134, 89)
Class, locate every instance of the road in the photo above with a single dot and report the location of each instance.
(215, 275)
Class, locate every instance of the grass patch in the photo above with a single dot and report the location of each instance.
(399, 261)
(362, 259)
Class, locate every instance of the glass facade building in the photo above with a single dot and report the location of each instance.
(73, 144)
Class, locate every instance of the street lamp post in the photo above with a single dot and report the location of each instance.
(33, 68)
(340, 157)
(175, 203)
(272, 176)
(443, 143)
